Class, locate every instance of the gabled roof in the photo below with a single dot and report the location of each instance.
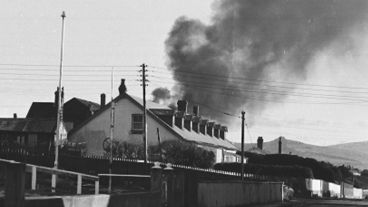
(42, 110)
(93, 107)
(27, 125)
(183, 134)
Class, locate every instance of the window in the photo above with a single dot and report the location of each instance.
(137, 123)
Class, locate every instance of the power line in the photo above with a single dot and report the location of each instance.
(262, 80)
(81, 66)
(222, 80)
(233, 92)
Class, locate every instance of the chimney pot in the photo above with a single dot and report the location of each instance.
(122, 87)
(102, 100)
(15, 115)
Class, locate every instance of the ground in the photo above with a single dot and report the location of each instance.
(317, 203)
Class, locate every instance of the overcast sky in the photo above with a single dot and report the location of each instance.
(125, 34)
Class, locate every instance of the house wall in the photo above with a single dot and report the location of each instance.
(97, 129)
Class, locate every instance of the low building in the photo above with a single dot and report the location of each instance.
(32, 134)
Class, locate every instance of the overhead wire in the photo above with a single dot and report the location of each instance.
(263, 80)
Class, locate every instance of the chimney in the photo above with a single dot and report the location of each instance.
(280, 145)
(196, 110)
(182, 106)
(102, 100)
(210, 126)
(223, 129)
(188, 122)
(15, 115)
(260, 143)
(122, 87)
(203, 126)
(216, 130)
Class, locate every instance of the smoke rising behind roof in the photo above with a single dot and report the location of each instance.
(221, 64)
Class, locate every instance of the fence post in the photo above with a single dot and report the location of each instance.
(97, 187)
(156, 175)
(79, 184)
(15, 184)
(169, 174)
(34, 177)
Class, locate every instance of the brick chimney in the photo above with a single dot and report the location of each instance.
(260, 143)
(102, 100)
(122, 87)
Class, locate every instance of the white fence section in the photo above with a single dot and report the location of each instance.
(321, 188)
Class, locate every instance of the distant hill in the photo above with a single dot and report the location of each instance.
(354, 154)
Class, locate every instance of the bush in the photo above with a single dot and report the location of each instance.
(321, 170)
(175, 152)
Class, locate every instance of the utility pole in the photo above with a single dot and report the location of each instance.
(60, 108)
(242, 146)
(144, 111)
(112, 123)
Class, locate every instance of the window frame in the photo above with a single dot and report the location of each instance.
(134, 129)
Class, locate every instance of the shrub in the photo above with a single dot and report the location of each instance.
(175, 152)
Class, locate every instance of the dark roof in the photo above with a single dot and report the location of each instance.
(42, 110)
(181, 133)
(93, 107)
(27, 125)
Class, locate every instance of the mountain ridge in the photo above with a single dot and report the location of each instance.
(353, 154)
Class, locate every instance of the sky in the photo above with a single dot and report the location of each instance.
(101, 36)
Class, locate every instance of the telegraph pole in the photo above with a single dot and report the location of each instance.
(144, 111)
(60, 108)
(242, 146)
(112, 123)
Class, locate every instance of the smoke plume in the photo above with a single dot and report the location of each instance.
(226, 65)
(161, 95)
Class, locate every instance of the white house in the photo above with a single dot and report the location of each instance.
(128, 127)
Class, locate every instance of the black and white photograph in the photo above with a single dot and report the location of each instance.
(173, 103)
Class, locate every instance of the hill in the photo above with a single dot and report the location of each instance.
(353, 154)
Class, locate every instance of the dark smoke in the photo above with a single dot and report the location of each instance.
(161, 95)
(250, 40)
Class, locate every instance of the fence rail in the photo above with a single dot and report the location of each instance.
(53, 171)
